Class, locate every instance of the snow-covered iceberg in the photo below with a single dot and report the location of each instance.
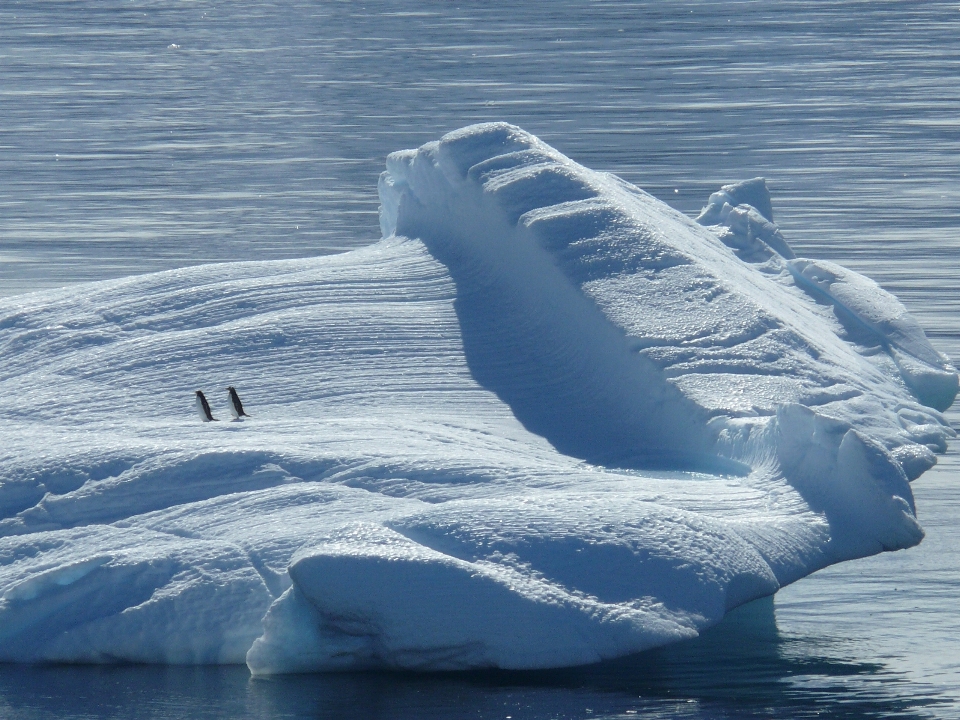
(546, 420)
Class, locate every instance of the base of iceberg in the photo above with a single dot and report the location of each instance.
(545, 421)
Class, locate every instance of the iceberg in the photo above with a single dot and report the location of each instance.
(546, 420)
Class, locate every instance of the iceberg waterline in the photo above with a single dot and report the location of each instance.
(545, 421)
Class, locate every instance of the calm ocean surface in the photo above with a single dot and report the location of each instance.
(145, 135)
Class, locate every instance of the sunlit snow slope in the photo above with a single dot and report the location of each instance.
(546, 420)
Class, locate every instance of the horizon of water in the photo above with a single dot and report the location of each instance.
(142, 135)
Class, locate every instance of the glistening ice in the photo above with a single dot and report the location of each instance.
(545, 421)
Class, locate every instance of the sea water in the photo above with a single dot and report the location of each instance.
(138, 136)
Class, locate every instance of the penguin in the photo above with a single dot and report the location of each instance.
(236, 407)
(203, 407)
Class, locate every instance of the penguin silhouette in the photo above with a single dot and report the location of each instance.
(203, 407)
(236, 407)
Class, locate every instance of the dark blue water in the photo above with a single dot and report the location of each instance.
(144, 135)
(742, 669)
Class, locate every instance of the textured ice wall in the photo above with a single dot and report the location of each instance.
(625, 333)
(545, 421)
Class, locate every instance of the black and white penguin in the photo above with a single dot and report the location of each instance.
(203, 407)
(236, 407)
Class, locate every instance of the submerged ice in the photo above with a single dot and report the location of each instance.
(546, 420)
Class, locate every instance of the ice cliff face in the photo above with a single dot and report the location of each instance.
(545, 421)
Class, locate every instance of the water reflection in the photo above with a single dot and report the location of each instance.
(743, 668)
(138, 135)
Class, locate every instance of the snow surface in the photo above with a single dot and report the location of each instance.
(545, 421)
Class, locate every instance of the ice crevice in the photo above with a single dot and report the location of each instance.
(545, 420)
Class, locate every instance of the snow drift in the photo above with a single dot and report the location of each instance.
(545, 421)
